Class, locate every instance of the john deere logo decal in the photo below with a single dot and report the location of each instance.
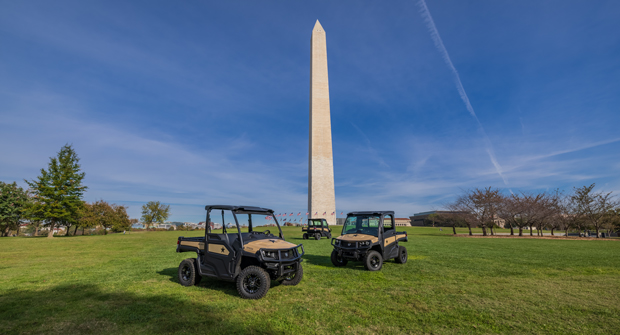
(222, 249)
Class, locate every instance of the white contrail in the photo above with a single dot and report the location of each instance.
(457, 80)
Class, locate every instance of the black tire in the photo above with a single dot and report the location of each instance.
(402, 255)
(338, 261)
(373, 261)
(188, 272)
(253, 282)
(295, 277)
(329, 235)
(317, 236)
(305, 236)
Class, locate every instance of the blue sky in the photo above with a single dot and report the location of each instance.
(205, 102)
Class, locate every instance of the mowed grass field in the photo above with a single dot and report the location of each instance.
(127, 284)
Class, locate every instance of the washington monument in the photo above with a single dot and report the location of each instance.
(321, 194)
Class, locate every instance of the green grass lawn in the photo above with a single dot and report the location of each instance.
(128, 284)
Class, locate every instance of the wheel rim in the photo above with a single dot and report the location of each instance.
(186, 273)
(251, 283)
(374, 261)
(403, 256)
(290, 277)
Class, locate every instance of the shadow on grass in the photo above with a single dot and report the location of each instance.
(79, 309)
(223, 286)
(228, 288)
(326, 261)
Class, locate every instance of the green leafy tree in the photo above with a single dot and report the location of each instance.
(13, 203)
(154, 211)
(121, 218)
(58, 191)
(107, 216)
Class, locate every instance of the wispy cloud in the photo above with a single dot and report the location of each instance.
(426, 14)
(373, 153)
(131, 167)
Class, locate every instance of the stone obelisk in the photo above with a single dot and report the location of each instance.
(321, 194)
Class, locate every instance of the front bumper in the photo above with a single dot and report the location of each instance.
(350, 250)
(282, 266)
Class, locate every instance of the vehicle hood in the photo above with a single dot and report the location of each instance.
(271, 243)
(358, 237)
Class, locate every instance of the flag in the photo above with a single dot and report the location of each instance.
(298, 214)
(307, 213)
(340, 213)
(316, 213)
(333, 213)
(324, 213)
(290, 214)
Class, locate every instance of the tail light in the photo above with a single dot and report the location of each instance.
(178, 242)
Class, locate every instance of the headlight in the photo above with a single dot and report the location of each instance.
(286, 254)
(271, 254)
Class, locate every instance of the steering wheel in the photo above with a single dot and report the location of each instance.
(266, 232)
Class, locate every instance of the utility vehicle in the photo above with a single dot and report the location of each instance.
(250, 259)
(369, 237)
(317, 228)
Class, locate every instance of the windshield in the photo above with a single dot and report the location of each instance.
(362, 224)
(314, 223)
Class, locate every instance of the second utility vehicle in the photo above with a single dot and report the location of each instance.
(317, 228)
(250, 259)
(369, 237)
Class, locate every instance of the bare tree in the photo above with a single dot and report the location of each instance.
(509, 210)
(479, 207)
(559, 212)
(593, 207)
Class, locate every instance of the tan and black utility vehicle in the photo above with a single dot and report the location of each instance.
(369, 237)
(250, 259)
(317, 228)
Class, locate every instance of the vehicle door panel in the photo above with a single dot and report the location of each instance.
(219, 255)
(390, 248)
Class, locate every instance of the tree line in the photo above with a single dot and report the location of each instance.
(54, 200)
(580, 210)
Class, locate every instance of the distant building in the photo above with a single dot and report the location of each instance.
(402, 222)
(419, 219)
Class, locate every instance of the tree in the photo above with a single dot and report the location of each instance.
(593, 207)
(107, 216)
(13, 203)
(154, 211)
(454, 220)
(121, 218)
(612, 220)
(58, 190)
(479, 207)
(432, 218)
(509, 210)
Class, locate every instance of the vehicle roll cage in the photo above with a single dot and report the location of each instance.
(239, 210)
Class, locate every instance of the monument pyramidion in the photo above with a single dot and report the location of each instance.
(321, 194)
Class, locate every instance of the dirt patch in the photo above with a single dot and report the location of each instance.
(540, 237)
